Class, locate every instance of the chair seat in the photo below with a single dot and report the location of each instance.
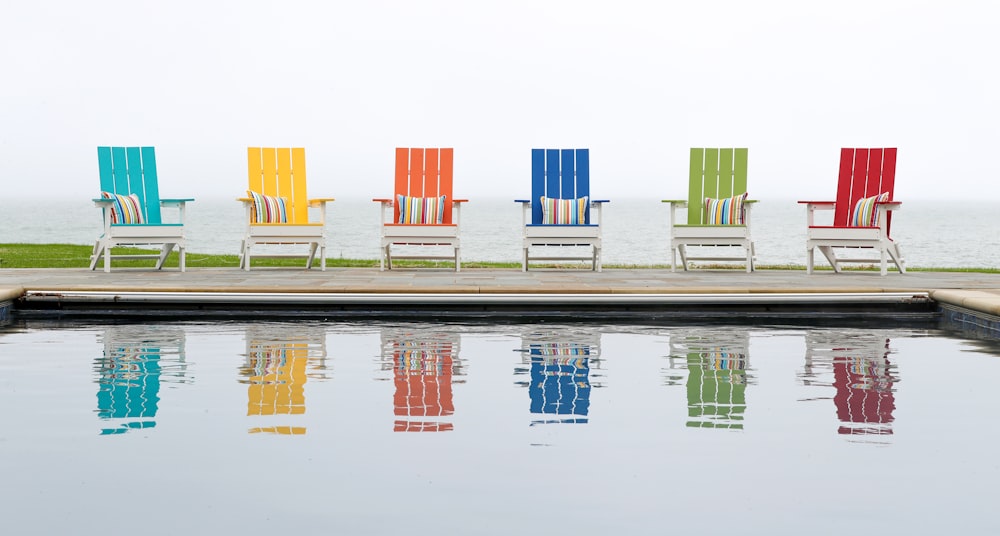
(710, 231)
(829, 232)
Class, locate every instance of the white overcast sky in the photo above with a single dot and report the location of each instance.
(639, 83)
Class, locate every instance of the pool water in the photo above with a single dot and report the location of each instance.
(389, 428)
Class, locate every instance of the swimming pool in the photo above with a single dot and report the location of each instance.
(385, 428)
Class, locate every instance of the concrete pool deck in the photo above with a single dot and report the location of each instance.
(971, 295)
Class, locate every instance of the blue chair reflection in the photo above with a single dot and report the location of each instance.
(559, 367)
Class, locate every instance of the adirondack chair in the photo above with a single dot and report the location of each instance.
(559, 211)
(424, 364)
(718, 375)
(424, 212)
(279, 362)
(718, 213)
(277, 207)
(130, 207)
(862, 212)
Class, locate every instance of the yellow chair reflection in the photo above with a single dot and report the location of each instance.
(276, 370)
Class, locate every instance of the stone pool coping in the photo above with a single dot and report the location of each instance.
(959, 294)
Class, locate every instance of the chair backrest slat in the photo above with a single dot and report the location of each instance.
(281, 172)
(863, 173)
(151, 183)
(559, 173)
(424, 172)
(715, 173)
(131, 170)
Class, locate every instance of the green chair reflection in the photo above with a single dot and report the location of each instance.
(717, 376)
(558, 364)
(856, 365)
(279, 361)
(136, 360)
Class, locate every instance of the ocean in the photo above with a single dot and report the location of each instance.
(930, 233)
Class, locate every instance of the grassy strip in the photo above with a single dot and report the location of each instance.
(77, 256)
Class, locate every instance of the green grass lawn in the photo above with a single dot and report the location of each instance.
(77, 256)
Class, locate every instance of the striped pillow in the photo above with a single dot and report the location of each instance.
(267, 208)
(728, 211)
(564, 211)
(865, 213)
(420, 210)
(126, 210)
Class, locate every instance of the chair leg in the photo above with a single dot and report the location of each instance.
(749, 257)
(884, 269)
(897, 257)
(524, 260)
(388, 256)
(107, 257)
(312, 255)
(322, 258)
(597, 259)
(164, 251)
(684, 258)
(183, 260)
(246, 257)
(458, 260)
(827, 252)
(810, 251)
(673, 258)
(96, 255)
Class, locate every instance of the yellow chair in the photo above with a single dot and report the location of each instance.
(277, 207)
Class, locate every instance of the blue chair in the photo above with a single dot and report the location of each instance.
(559, 212)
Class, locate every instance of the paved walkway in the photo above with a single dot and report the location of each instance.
(976, 291)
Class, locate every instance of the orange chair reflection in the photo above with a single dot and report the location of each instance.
(423, 370)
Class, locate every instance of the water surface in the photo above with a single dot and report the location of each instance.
(386, 428)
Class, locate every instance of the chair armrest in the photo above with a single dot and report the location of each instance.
(382, 200)
(101, 201)
(320, 201)
(244, 199)
(176, 201)
(522, 201)
(890, 205)
(599, 201)
(820, 204)
(681, 203)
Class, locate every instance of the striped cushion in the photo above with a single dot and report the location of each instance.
(728, 211)
(267, 208)
(421, 210)
(864, 214)
(564, 211)
(126, 209)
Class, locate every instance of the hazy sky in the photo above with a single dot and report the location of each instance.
(639, 83)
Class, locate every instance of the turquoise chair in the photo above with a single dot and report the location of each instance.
(130, 207)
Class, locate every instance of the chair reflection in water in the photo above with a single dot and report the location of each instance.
(857, 366)
(559, 366)
(279, 360)
(717, 376)
(424, 364)
(136, 360)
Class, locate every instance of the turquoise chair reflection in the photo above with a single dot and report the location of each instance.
(136, 360)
